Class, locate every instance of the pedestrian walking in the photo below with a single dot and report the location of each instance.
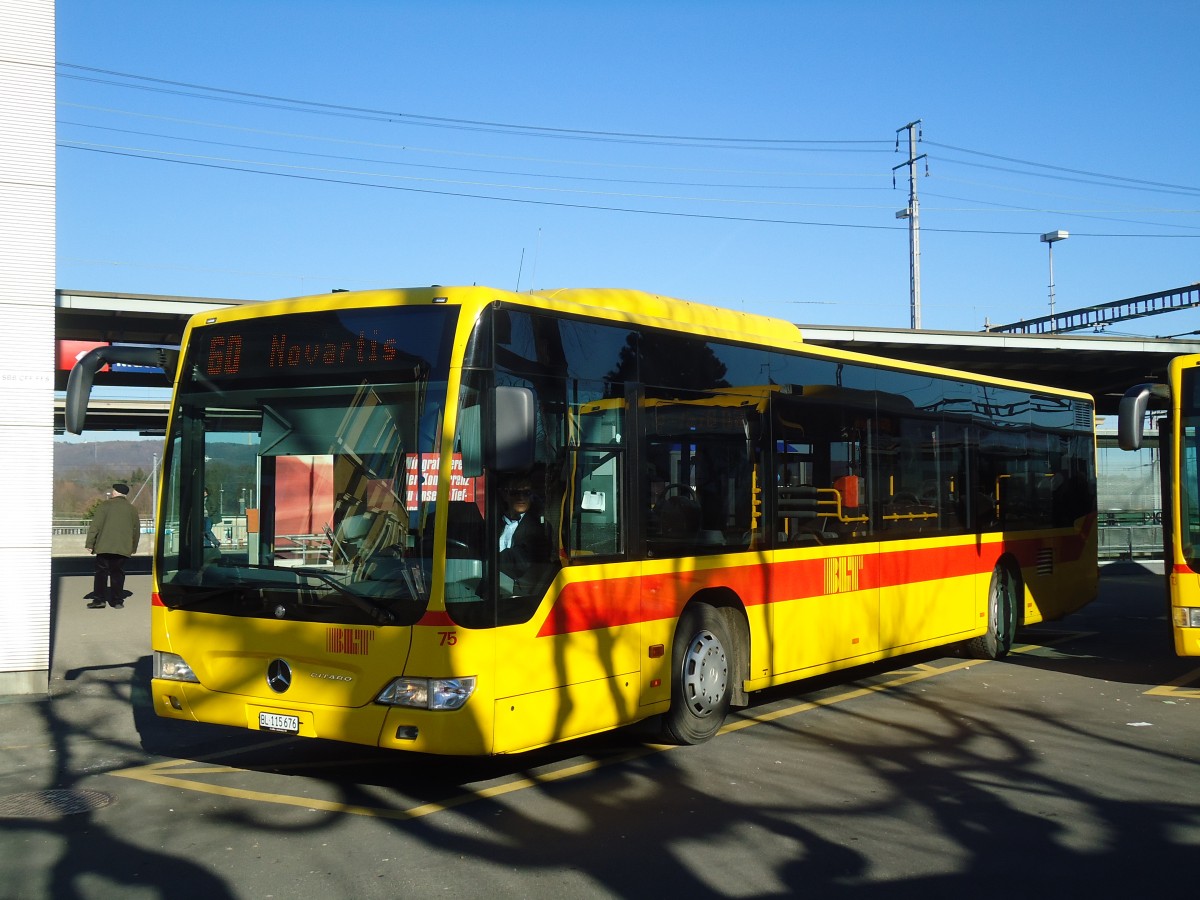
(210, 539)
(113, 537)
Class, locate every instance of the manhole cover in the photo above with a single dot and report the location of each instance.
(52, 804)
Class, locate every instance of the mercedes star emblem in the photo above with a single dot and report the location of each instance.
(279, 676)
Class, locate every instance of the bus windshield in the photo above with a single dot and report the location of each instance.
(1189, 469)
(301, 463)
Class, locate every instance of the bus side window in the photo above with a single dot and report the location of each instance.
(801, 519)
(593, 504)
(678, 513)
(594, 526)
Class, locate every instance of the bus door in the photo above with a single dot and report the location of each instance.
(825, 587)
(701, 464)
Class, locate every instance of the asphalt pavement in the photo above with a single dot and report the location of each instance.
(915, 778)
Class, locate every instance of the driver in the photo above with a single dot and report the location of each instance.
(523, 538)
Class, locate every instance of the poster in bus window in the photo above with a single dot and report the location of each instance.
(425, 480)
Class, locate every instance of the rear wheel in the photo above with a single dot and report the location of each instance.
(1002, 617)
(701, 677)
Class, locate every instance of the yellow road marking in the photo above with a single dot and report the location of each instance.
(169, 772)
(1177, 687)
(164, 774)
(924, 671)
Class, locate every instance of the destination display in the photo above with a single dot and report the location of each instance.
(384, 345)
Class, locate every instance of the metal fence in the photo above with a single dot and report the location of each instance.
(68, 536)
(61, 526)
(1128, 541)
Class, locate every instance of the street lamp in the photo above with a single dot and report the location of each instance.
(1049, 239)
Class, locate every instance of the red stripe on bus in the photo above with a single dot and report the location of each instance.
(589, 605)
(917, 566)
(611, 603)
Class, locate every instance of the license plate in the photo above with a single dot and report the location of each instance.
(275, 722)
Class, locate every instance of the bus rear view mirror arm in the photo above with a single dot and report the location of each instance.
(1132, 415)
(79, 382)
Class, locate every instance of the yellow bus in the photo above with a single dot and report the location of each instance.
(480, 522)
(1180, 474)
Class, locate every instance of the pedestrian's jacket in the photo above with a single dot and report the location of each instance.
(116, 528)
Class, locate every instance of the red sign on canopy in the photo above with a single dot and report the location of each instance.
(70, 352)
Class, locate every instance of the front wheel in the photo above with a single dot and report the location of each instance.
(1002, 617)
(701, 676)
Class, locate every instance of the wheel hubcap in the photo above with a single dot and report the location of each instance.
(705, 674)
(1002, 609)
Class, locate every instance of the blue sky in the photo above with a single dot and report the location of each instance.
(739, 154)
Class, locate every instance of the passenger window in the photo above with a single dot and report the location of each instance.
(596, 457)
(700, 474)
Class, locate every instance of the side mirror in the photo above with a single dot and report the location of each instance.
(79, 382)
(516, 429)
(1131, 416)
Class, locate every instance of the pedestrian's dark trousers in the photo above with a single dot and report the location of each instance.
(110, 572)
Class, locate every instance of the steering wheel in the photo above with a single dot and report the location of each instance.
(683, 490)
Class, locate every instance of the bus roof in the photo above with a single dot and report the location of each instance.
(639, 304)
(616, 304)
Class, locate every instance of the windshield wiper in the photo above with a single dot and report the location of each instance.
(198, 596)
(376, 611)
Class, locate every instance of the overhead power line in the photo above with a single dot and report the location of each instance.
(411, 148)
(262, 165)
(204, 92)
(542, 175)
(211, 92)
(664, 213)
(1025, 162)
(842, 145)
(1187, 192)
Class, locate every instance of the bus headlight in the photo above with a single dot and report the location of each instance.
(172, 667)
(428, 693)
(1186, 616)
